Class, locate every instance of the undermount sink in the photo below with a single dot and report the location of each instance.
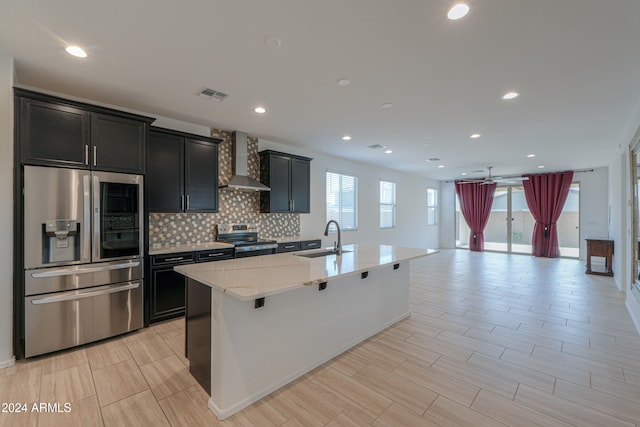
(318, 254)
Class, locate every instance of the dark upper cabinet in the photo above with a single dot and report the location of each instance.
(165, 172)
(59, 132)
(300, 185)
(288, 176)
(182, 172)
(52, 133)
(118, 143)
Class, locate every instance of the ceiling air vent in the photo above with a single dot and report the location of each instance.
(213, 95)
(376, 146)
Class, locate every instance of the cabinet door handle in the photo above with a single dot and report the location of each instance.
(218, 254)
(187, 202)
(293, 206)
(312, 245)
(86, 154)
(95, 155)
(289, 246)
(180, 258)
(182, 202)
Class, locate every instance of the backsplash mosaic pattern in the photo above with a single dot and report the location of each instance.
(235, 207)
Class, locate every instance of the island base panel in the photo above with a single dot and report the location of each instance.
(198, 332)
(256, 351)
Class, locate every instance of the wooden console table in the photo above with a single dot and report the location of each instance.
(602, 248)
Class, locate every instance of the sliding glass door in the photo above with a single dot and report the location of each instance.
(510, 225)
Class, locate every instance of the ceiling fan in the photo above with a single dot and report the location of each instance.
(494, 179)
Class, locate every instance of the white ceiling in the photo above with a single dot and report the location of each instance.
(576, 64)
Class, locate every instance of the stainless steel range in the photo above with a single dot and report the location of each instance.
(246, 242)
(82, 256)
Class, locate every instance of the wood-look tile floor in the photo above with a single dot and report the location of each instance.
(493, 340)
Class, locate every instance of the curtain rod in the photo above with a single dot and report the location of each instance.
(519, 176)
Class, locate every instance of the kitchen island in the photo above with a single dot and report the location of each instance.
(256, 324)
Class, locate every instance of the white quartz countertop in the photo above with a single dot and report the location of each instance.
(261, 276)
(186, 247)
(288, 239)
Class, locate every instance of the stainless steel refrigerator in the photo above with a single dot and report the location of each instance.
(83, 244)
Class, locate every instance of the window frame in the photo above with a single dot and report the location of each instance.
(433, 207)
(393, 205)
(340, 221)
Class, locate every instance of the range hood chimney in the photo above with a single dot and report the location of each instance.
(239, 166)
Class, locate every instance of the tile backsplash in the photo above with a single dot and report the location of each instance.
(234, 207)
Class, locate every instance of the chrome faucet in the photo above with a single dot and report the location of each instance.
(337, 246)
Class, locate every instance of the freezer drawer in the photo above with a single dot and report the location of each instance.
(47, 280)
(66, 319)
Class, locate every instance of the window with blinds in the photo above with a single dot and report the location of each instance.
(432, 206)
(387, 204)
(342, 200)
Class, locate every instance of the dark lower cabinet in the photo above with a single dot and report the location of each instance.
(301, 245)
(167, 287)
(288, 247)
(198, 332)
(166, 290)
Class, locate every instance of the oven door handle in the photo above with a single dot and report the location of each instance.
(73, 271)
(75, 295)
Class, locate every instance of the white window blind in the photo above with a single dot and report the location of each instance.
(432, 206)
(342, 200)
(387, 204)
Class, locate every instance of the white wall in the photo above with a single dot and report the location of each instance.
(411, 202)
(621, 226)
(6, 214)
(594, 211)
(447, 215)
(618, 182)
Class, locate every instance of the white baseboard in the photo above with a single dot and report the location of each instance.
(226, 412)
(8, 363)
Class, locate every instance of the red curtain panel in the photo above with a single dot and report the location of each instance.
(545, 195)
(476, 200)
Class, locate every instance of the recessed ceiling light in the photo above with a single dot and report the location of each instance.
(387, 105)
(344, 82)
(388, 152)
(76, 51)
(475, 136)
(531, 155)
(440, 166)
(260, 110)
(464, 173)
(272, 41)
(346, 138)
(540, 167)
(510, 95)
(457, 11)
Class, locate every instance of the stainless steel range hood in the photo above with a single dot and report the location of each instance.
(239, 166)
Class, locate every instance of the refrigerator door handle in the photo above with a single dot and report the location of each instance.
(95, 224)
(85, 232)
(73, 271)
(75, 295)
